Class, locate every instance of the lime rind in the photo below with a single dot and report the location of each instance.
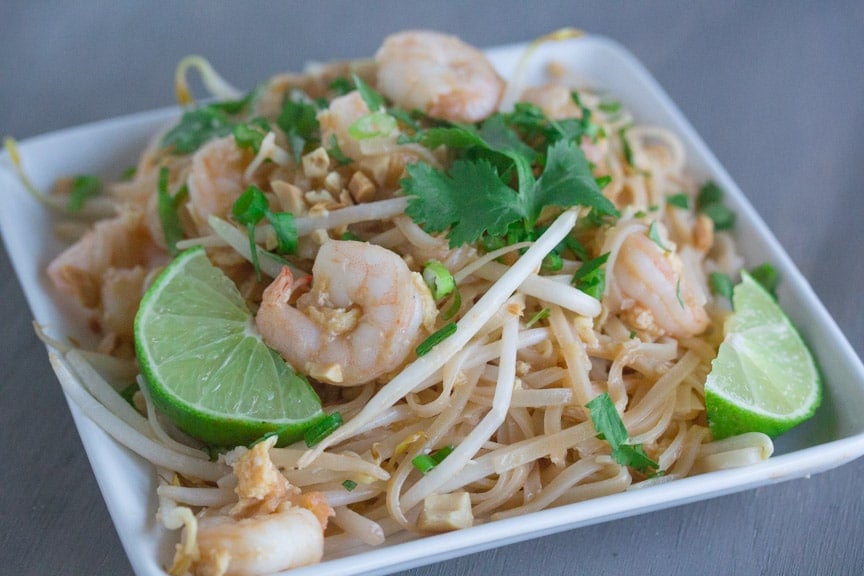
(205, 364)
(764, 378)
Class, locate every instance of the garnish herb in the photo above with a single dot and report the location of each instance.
(373, 99)
(197, 127)
(541, 315)
(335, 152)
(455, 305)
(129, 173)
(323, 428)
(426, 462)
(372, 125)
(251, 134)
(625, 145)
(341, 85)
(438, 199)
(349, 485)
(252, 207)
(766, 275)
(168, 214)
(678, 294)
(721, 284)
(654, 236)
(680, 200)
(439, 279)
(299, 121)
(84, 187)
(610, 427)
(710, 202)
(435, 338)
(590, 278)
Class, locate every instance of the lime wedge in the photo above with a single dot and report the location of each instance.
(205, 364)
(764, 378)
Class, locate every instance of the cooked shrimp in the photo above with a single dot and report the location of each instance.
(216, 179)
(438, 74)
(652, 288)
(287, 538)
(362, 317)
(106, 269)
(271, 528)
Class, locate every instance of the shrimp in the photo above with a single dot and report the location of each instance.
(360, 320)
(271, 528)
(438, 74)
(107, 270)
(655, 290)
(216, 179)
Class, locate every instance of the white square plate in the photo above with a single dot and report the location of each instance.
(834, 436)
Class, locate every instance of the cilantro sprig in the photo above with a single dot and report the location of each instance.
(471, 198)
(252, 207)
(611, 428)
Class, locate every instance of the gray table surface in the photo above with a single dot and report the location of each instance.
(775, 89)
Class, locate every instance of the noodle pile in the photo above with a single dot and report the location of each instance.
(505, 395)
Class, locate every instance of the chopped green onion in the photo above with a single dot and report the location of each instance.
(372, 126)
(349, 485)
(609, 106)
(541, 315)
(435, 338)
(426, 462)
(348, 235)
(84, 187)
(625, 145)
(439, 279)
(455, 306)
(322, 429)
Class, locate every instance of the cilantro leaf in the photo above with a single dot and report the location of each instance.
(84, 187)
(590, 278)
(299, 121)
(766, 275)
(373, 99)
(566, 181)
(286, 231)
(167, 206)
(710, 202)
(470, 199)
(197, 127)
(608, 424)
